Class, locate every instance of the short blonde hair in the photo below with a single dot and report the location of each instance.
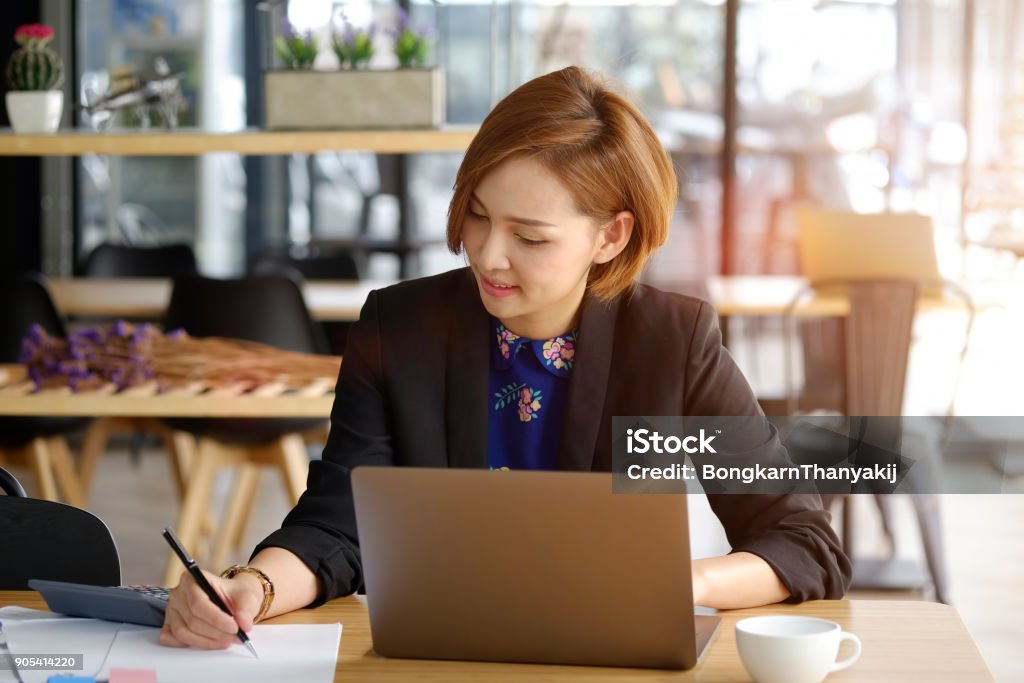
(598, 144)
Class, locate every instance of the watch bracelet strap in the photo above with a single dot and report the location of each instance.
(265, 582)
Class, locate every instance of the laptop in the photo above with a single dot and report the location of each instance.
(838, 245)
(542, 567)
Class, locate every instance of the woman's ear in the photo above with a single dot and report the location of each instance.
(614, 237)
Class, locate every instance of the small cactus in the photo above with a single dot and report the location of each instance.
(34, 66)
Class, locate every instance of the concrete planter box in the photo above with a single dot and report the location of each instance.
(319, 100)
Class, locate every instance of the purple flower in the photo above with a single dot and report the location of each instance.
(28, 350)
(86, 335)
(37, 334)
(140, 336)
(179, 333)
(287, 30)
(35, 376)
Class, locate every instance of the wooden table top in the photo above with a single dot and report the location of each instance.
(342, 299)
(148, 297)
(196, 400)
(771, 295)
(903, 641)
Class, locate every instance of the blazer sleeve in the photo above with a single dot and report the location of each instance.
(321, 528)
(790, 532)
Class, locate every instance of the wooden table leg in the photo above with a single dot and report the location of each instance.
(294, 465)
(64, 471)
(210, 458)
(42, 467)
(239, 506)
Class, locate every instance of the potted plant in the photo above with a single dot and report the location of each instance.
(355, 96)
(34, 74)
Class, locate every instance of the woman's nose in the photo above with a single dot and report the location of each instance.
(492, 255)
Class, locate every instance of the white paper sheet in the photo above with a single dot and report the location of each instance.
(297, 652)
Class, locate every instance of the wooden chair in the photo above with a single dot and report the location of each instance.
(123, 261)
(876, 350)
(269, 310)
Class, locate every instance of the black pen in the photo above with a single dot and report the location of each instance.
(197, 574)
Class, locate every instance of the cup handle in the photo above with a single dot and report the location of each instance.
(846, 663)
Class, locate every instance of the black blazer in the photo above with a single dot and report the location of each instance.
(413, 391)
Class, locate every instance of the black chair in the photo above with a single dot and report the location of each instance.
(36, 442)
(315, 263)
(48, 540)
(118, 260)
(265, 309)
(312, 263)
(268, 310)
(10, 485)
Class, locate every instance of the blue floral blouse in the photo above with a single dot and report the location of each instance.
(529, 384)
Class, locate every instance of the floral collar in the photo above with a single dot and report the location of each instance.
(556, 355)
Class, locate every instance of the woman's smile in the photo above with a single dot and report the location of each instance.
(496, 288)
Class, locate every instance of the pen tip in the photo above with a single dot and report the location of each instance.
(252, 650)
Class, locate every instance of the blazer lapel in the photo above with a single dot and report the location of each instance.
(588, 384)
(466, 378)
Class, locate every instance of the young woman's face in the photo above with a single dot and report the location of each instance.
(530, 249)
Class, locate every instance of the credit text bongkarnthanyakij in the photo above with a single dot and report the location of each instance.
(749, 475)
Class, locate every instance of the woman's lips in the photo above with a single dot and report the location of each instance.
(495, 290)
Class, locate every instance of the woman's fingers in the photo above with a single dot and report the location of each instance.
(193, 620)
(202, 608)
(178, 631)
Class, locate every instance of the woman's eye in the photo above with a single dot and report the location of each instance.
(476, 216)
(531, 243)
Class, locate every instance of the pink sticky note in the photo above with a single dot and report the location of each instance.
(132, 676)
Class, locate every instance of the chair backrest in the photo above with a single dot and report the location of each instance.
(877, 339)
(118, 260)
(10, 485)
(268, 309)
(46, 540)
(24, 301)
(878, 333)
(841, 245)
(876, 343)
(343, 264)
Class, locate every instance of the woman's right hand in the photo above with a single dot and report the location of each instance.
(192, 620)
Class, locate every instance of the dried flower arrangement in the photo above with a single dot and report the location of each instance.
(126, 355)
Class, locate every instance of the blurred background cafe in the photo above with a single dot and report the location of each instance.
(870, 146)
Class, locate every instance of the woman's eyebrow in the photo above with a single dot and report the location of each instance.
(533, 222)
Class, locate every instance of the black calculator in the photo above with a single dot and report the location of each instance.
(143, 605)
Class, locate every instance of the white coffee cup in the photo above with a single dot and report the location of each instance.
(791, 649)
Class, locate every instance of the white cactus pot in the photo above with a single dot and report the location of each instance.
(35, 111)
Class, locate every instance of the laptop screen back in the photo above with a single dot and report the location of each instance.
(547, 567)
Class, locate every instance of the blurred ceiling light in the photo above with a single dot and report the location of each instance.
(310, 15)
(948, 143)
(358, 12)
(580, 3)
(853, 133)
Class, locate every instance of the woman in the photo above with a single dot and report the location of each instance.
(521, 360)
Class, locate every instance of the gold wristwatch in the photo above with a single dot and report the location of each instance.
(268, 585)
